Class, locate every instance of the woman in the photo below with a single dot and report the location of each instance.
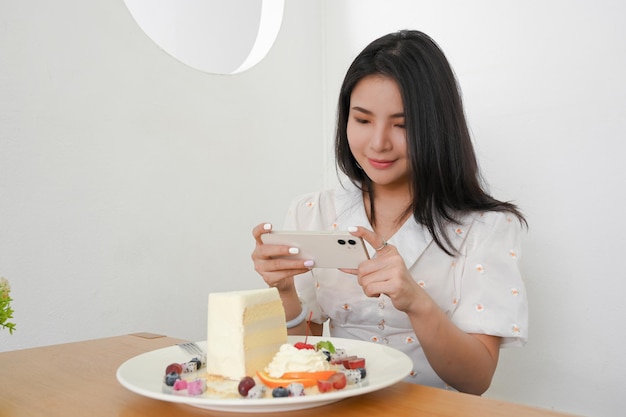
(443, 283)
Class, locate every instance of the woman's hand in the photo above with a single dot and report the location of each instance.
(465, 361)
(386, 273)
(276, 272)
(279, 273)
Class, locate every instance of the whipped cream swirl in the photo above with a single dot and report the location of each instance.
(290, 359)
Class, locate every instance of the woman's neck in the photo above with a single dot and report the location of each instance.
(392, 207)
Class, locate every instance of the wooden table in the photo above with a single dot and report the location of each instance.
(78, 379)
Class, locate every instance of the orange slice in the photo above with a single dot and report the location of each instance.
(316, 375)
(308, 379)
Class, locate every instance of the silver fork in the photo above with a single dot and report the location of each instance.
(196, 351)
(191, 347)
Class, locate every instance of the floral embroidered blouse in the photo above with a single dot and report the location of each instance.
(480, 290)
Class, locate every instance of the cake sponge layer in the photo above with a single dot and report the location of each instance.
(245, 330)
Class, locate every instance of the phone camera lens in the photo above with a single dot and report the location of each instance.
(341, 242)
(352, 242)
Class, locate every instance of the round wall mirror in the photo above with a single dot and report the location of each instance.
(216, 36)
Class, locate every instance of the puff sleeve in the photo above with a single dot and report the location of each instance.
(492, 296)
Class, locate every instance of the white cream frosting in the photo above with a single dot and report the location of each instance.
(290, 359)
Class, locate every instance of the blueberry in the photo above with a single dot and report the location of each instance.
(363, 372)
(280, 392)
(171, 378)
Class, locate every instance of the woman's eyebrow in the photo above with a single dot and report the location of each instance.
(362, 110)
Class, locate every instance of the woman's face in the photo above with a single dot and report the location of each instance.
(376, 132)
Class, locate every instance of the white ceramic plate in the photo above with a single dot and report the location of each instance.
(143, 375)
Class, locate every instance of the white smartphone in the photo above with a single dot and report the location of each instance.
(327, 249)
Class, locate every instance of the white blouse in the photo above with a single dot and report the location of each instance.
(480, 290)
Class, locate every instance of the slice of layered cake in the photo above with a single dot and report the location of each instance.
(245, 330)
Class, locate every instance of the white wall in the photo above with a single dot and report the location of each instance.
(129, 183)
(544, 88)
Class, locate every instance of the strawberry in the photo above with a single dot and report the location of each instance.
(302, 345)
(355, 363)
(338, 380)
(324, 385)
(346, 361)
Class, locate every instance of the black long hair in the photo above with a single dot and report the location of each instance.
(444, 173)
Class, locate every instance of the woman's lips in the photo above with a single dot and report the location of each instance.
(380, 164)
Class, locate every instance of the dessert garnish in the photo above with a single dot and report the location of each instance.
(296, 370)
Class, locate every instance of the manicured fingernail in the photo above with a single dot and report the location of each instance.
(294, 251)
(267, 226)
(309, 264)
(352, 229)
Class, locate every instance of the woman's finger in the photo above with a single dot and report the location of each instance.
(259, 230)
(375, 241)
(275, 278)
